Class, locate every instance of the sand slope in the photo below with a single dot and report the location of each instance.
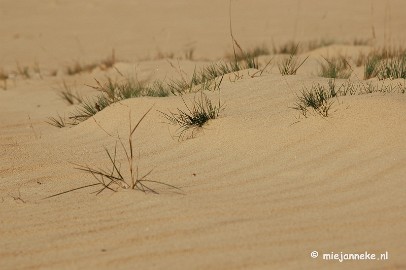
(262, 186)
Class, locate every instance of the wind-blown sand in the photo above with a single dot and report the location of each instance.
(262, 186)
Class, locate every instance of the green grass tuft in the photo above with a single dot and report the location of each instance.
(67, 95)
(393, 68)
(290, 65)
(335, 68)
(317, 97)
(58, 121)
(195, 116)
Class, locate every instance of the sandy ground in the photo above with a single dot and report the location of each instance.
(261, 187)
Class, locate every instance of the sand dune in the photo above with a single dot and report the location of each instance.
(262, 186)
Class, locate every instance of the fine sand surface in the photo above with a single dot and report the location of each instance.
(261, 186)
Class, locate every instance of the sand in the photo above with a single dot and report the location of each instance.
(261, 186)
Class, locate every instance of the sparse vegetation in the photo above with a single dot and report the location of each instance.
(393, 68)
(290, 65)
(164, 55)
(361, 42)
(251, 53)
(290, 47)
(188, 54)
(114, 91)
(317, 97)
(319, 43)
(78, 68)
(110, 92)
(336, 67)
(3, 77)
(115, 178)
(371, 66)
(386, 63)
(23, 71)
(195, 116)
(67, 95)
(205, 77)
(58, 121)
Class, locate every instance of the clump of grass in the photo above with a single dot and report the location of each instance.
(37, 70)
(4, 77)
(361, 59)
(336, 67)
(104, 64)
(67, 95)
(113, 91)
(393, 68)
(58, 121)
(206, 76)
(290, 65)
(115, 178)
(116, 90)
(23, 71)
(110, 92)
(188, 53)
(194, 116)
(361, 42)
(252, 53)
(319, 43)
(386, 63)
(290, 47)
(78, 68)
(109, 61)
(164, 55)
(87, 109)
(371, 66)
(317, 97)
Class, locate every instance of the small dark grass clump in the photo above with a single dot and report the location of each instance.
(362, 42)
(109, 61)
(87, 109)
(195, 116)
(3, 77)
(114, 91)
(206, 76)
(115, 178)
(78, 68)
(317, 98)
(104, 64)
(290, 65)
(23, 71)
(290, 47)
(58, 121)
(189, 53)
(371, 66)
(251, 53)
(393, 68)
(387, 63)
(67, 95)
(335, 68)
(319, 43)
(110, 92)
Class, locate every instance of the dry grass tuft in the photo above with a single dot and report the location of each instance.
(3, 77)
(115, 177)
(290, 65)
(336, 67)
